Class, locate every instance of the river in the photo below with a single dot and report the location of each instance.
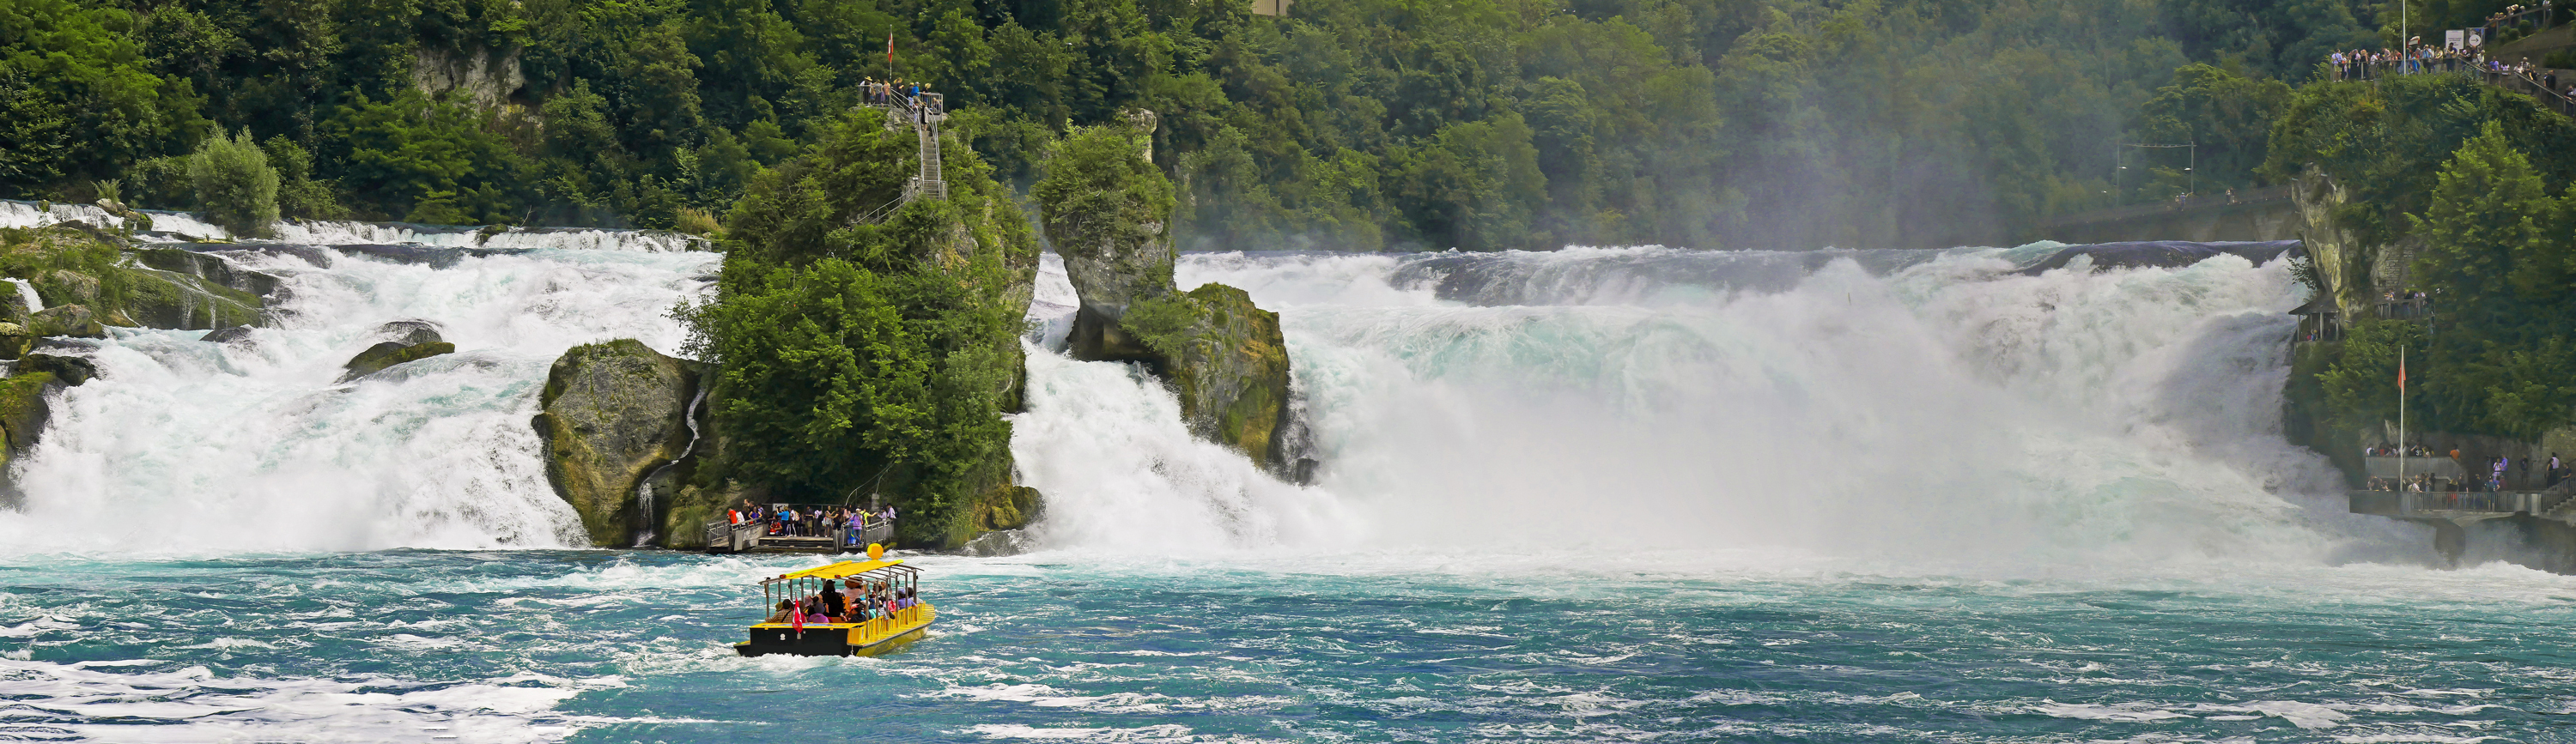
(1600, 494)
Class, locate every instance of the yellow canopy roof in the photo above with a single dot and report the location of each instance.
(841, 569)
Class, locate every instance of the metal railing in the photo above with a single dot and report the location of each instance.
(722, 534)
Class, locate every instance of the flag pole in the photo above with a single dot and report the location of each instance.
(2401, 417)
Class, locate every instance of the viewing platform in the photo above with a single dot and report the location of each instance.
(723, 536)
(2466, 506)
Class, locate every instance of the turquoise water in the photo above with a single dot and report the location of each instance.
(1397, 646)
(1939, 502)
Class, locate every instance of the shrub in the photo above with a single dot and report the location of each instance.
(235, 187)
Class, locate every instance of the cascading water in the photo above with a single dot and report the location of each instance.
(645, 533)
(1904, 403)
(27, 296)
(192, 445)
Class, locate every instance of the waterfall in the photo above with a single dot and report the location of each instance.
(1906, 402)
(27, 294)
(644, 488)
(191, 445)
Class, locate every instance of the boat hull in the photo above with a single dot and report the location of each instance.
(838, 639)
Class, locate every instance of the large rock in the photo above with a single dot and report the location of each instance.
(24, 409)
(613, 413)
(410, 331)
(385, 355)
(2343, 262)
(1108, 213)
(69, 370)
(210, 267)
(15, 340)
(1226, 360)
(74, 321)
(165, 299)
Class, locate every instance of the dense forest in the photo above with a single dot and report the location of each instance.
(1352, 124)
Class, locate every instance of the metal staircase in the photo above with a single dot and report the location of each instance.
(923, 114)
(929, 185)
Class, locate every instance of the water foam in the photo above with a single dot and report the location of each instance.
(191, 445)
(1924, 404)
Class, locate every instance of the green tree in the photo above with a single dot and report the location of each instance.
(1097, 191)
(2226, 115)
(2488, 215)
(236, 188)
(81, 103)
(424, 160)
(852, 346)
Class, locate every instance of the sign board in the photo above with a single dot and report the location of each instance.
(2477, 37)
(2455, 39)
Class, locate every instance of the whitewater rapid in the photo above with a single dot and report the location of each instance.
(193, 446)
(1872, 403)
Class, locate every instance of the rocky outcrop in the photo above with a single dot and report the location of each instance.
(74, 321)
(23, 412)
(69, 370)
(1226, 360)
(1108, 214)
(233, 335)
(151, 288)
(482, 78)
(2343, 263)
(164, 299)
(410, 331)
(612, 413)
(15, 340)
(25, 407)
(385, 355)
(211, 268)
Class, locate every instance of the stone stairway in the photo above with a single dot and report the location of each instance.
(2557, 503)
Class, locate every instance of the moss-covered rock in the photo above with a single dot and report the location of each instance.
(13, 306)
(15, 340)
(162, 299)
(385, 355)
(73, 321)
(1226, 360)
(68, 370)
(22, 407)
(1108, 212)
(211, 268)
(612, 413)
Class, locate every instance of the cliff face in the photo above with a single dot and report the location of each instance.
(2343, 263)
(612, 413)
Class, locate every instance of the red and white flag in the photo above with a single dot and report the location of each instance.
(889, 47)
(2401, 374)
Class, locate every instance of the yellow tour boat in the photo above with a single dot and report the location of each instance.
(879, 610)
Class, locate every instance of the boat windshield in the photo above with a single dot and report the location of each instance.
(844, 592)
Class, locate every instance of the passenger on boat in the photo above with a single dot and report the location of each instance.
(833, 603)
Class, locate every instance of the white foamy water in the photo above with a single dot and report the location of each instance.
(1944, 409)
(27, 296)
(190, 445)
(186, 227)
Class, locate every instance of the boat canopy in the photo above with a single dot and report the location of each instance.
(844, 569)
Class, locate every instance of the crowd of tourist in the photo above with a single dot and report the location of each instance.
(2368, 64)
(866, 600)
(2489, 477)
(787, 520)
